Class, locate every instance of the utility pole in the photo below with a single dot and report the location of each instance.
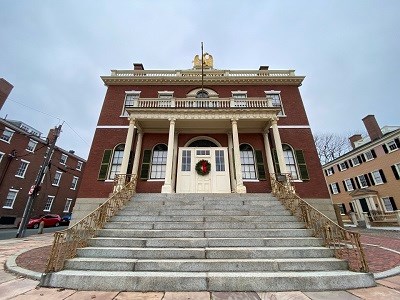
(36, 187)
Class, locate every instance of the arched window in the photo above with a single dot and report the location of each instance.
(290, 161)
(158, 161)
(247, 161)
(202, 94)
(116, 161)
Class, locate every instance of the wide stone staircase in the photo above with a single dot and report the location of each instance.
(206, 242)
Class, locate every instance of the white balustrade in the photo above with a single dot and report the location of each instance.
(254, 102)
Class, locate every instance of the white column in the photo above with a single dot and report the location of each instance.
(240, 188)
(175, 162)
(167, 188)
(128, 147)
(278, 145)
(138, 150)
(270, 162)
(231, 166)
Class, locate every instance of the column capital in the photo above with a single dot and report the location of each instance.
(172, 120)
(234, 120)
(131, 120)
(274, 121)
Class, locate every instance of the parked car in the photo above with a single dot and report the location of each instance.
(49, 221)
(66, 219)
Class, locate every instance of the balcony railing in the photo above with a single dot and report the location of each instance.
(207, 73)
(254, 102)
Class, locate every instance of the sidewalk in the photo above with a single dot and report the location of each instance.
(382, 251)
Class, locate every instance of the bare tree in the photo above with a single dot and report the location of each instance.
(331, 146)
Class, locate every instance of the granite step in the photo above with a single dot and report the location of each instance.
(208, 281)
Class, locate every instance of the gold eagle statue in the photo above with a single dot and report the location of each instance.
(207, 61)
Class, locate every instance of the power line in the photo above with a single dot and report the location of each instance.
(47, 114)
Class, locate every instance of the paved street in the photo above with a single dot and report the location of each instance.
(15, 287)
(9, 233)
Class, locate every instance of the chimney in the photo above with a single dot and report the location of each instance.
(374, 131)
(263, 68)
(51, 135)
(5, 90)
(354, 138)
(138, 66)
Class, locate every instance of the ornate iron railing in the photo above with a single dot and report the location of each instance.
(346, 244)
(66, 242)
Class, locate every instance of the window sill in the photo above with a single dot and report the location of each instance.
(8, 142)
(7, 207)
(161, 179)
(251, 180)
(19, 176)
(55, 184)
(72, 189)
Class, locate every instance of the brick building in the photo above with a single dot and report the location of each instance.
(367, 178)
(241, 126)
(22, 150)
(5, 90)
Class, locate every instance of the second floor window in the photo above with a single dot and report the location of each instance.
(363, 181)
(74, 183)
(57, 178)
(79, 165)
(22, 169)
(12, 194)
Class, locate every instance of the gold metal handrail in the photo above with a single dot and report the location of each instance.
(66, 242)
(346, 244)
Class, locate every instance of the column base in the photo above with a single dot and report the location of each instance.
(241, 189)
(166, 189)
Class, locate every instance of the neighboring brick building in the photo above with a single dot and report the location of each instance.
(22, 151)
(368, 177)
(159, 124)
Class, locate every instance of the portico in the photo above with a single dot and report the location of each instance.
(201, 121)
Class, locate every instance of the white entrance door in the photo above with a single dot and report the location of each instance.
(189, 181)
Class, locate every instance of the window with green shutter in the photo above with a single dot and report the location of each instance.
(260, 165)
(276, 161)
(105, 164)
(144, 174)
(301, 163)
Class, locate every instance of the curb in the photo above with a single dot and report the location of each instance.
(11, 266)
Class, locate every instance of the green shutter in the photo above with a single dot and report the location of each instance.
(144, 174)
(105, 164)
(130, 163)
(276, 161)
(301, 163)
(260, 165)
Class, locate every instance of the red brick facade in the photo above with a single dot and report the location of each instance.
(13, 152)
(293, 127)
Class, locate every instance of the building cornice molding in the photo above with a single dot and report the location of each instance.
(203, 114)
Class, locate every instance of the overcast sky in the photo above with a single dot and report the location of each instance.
(54, 53)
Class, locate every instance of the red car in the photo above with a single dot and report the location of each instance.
(49, 221)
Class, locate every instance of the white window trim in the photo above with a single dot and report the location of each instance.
(239, 93)
(359, 181)
(373, 177)
(16, 194)
(334, 188)
(76, 183)
(69, 206)
(272, 92)
(341, 169)
(166, 93)
(383, 204)
(133, 92)
(365, 155)
(1, 156)
(52, 201)
(27, 166)
(61, 159)
(12, 134)
(347, 187)
(355, 164)
(388, 148)
(329, 172)
(34, 147)
(59, 179)
(79, 165)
